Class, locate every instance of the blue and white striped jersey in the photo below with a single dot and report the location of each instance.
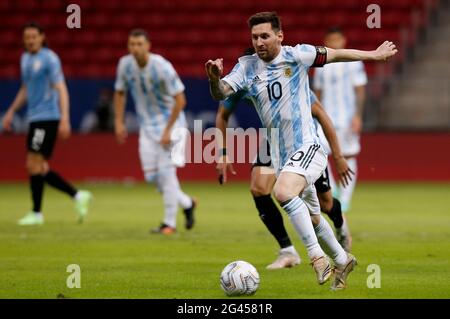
(281, 95)
(337, 82)
(40, 72)
(153, 89)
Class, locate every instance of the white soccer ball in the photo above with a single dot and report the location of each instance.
(239, 278)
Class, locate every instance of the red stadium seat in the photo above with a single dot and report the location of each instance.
(188, 32)
(53, 5)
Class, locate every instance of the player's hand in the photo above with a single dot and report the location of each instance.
(344, 172)
(222, 168)
(64, 129)
(7, 121)
(385, 51)
(165, 139)
(356, 124)
(121, 133)
(214, 69)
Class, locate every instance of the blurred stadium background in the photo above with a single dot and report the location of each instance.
(407, 112)
(402, 226)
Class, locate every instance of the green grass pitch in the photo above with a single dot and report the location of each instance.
(403, 228)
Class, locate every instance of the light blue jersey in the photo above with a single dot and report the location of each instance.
(337, 82)
(153, 89)
(40, 72)
(230, 103)
(281, 95)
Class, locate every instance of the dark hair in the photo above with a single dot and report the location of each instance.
(265, 17)
(249, 51)
(334, 29)
(139, 33)
(33, 25)
(37, 26)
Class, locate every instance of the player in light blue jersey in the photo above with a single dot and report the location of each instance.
(44, 90)
(263, 178)
(276, 79)
(341, 87)
(159, 99)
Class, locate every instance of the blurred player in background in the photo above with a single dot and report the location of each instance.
(277, 81)
(341, 88)
(158, 94)
(44, 90)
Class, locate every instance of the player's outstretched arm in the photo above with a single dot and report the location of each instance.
(220, 90)
(382, 53)
(17, 104)
(119, 115)
(344, 172)
(223, 163)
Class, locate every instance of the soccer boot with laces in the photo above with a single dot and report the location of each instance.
(341, 273)
(322, 267)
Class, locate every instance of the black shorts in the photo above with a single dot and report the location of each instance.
(261, 158)
(322, 184)
(42, 137)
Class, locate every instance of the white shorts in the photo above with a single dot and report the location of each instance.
(154, 157)
(309, 161)
(348, 141)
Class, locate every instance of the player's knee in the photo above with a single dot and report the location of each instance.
(282, 193)
(35, 165)
(258, 189)
(326, 204)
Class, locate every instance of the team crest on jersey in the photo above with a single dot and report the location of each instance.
(37, 65)
(288, 72)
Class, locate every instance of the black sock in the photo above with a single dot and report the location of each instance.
(53, 179)
(271, 217)
(335, 214)
(37, 190)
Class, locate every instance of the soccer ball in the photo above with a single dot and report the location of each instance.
(239, 278)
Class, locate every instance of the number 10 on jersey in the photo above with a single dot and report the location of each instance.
(274, 90)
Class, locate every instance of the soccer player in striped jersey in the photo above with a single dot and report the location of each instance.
(45, 92)
(159, 99)
(341, 87)
(276, 79)
(263, 178)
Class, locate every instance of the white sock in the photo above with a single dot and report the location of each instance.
(77, 196)
(299, 215)
(329, 242)
(184, 200)
(309, 197)
(346, 192)
(289, 249)
(168, 187)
